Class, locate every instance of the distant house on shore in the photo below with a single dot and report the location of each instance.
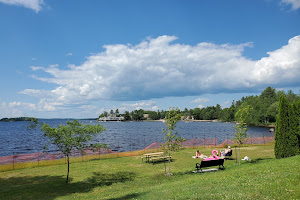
(146, 116)
(184, 118)
(111, 118)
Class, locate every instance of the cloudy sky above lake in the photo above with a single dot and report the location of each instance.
(76, 58)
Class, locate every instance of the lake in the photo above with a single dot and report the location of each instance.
(120, 136)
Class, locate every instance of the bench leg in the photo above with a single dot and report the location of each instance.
(222, 167)
(199, 169)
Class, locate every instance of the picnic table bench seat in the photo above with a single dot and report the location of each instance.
(143, 158)
(210, 163)
(160, 158)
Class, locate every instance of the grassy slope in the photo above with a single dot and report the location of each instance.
(129, 178)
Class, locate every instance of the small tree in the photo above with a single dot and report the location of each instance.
(240, 135)
(70, 137)
(98, 147)
(241, 128)
(172, 141)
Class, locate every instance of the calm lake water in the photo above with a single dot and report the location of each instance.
(121, 136)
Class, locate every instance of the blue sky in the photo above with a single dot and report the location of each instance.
(76, 58)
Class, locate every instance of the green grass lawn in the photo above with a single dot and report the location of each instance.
(128, 178)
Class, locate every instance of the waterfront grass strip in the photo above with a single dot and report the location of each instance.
(129, 178)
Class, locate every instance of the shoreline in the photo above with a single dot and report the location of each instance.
(193, 120)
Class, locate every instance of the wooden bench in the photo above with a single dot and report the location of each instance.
(164, 158)
(210, 163)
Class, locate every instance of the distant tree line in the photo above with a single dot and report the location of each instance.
(264, 109)
(17, 119)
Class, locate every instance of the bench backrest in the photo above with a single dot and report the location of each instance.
(209, 163)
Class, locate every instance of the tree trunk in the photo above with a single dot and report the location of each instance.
(68, 159)
(165, 168)
(239, 154)
(235, 155)
(169, 164)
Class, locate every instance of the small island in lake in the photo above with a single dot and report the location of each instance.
(18, 119)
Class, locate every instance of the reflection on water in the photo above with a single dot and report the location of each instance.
(120, 136)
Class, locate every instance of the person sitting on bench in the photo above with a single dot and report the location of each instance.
(226, 152)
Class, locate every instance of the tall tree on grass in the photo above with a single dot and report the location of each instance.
(172, 140)
(242, 115)
(70, 137)
(297, 109)
(286, 140)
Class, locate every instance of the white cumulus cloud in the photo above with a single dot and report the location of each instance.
(201, 106)
(200, 100)
(281, 67)
(294, 3)
(146, 105)
(158, 67)
(16, 109)
(155, 108)
(143, 103)
(35, 5)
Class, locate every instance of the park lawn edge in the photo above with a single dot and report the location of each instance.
(129, 178)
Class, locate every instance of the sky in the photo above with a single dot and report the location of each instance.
(79, 58)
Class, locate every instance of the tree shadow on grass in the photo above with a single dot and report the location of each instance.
(183, 173)
(129, 196)
(163, 161)
(106, 179)
(51, 187)
(254, 161)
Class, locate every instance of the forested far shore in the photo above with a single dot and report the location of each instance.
(263, 110)
(17, 119)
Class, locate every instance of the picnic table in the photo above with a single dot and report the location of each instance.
(147, 156)
(154, 157)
